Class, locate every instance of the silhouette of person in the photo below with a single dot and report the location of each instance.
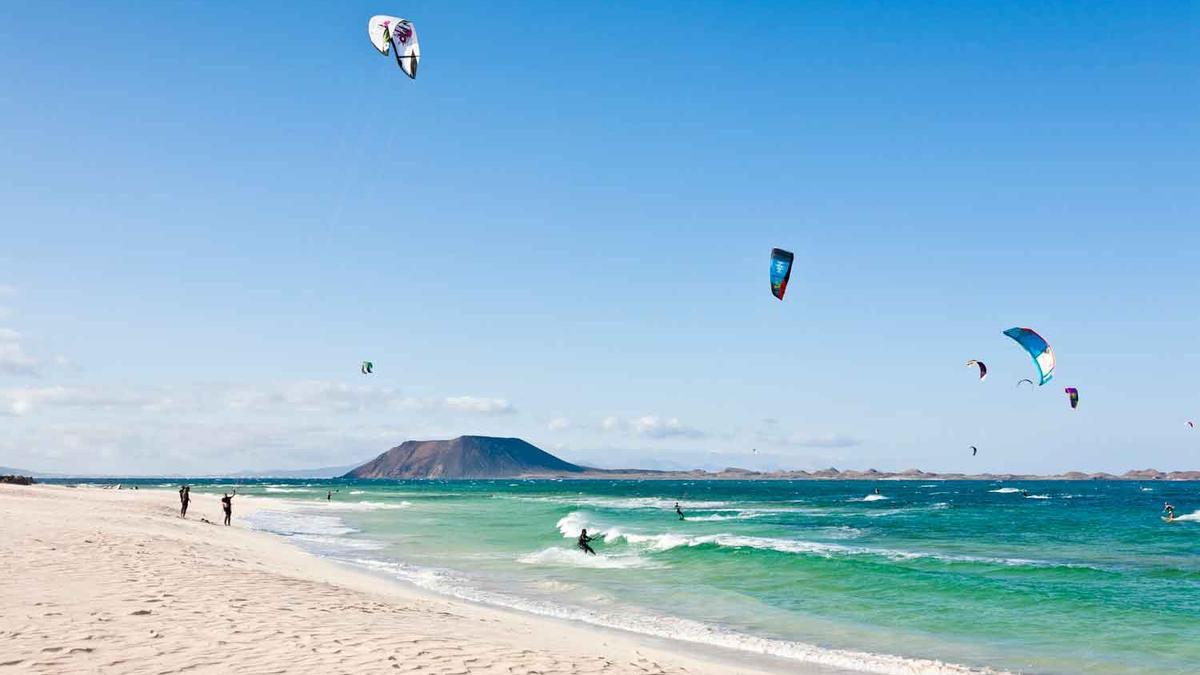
(583, 542)
(227, 504)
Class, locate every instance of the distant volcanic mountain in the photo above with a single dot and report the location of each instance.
(464, 457)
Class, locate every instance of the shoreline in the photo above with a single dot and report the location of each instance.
(603, 638)
(115, 580)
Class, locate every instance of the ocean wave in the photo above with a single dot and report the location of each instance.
(1004, 491)
(659, 503)
(289, 523)
(357, 492)
(868, 498)
(685, 630)
(840, 532)
(1194, 516)
(904, 511)
(714, 517)
(571, 525)
(340, 543)
(360, 506)
(1037, 496)
(272, 488)
(282, 504)
(573, 557)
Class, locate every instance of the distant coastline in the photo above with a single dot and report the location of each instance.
(695, 474)
(733, 473)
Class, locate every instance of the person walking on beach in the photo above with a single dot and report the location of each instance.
(227, 504)
(185, 496)
(679, 511)
(329, 496)
(583, 542)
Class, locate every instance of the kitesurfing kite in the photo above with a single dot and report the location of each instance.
(367, 367)
(392, 32)
(982, 367)
(781, 271)
(1191, 425)
(974, 451)
(1038, 348)
(1073, 394)
(1022, 381)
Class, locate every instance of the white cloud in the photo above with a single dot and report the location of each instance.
(820, 441)
(658, 427)
(226, 427)
(23, 401)
(476, 404)
(559, 424)
(652, 426)
(14, 360)
(310, 397)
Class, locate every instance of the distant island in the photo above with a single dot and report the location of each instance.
(490, 457)
(465, 457)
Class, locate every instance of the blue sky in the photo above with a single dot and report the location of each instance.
(211, 212)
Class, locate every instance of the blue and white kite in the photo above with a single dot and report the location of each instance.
(1038, 348)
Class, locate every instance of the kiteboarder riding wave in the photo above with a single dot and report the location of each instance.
(583, 542)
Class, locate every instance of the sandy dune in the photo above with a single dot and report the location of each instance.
(113, 581)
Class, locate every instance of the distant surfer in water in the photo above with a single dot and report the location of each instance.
(1170, 510)
(583, 542)
(1024, 493)
(185, 496)
(679, 511)
(227, 504)
(876, 490)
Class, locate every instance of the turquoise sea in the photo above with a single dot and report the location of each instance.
(1040, 577)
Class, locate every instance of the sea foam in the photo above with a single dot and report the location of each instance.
(571, 524)
(574, 557)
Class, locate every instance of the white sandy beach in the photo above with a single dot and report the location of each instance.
(114, 581)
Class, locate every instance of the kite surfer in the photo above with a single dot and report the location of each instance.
(227, 504)
(679, 511)
(583, 542)
(1170, 511)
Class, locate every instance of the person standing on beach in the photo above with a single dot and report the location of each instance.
(227, 504)
(583, 542)
(185, 496)
(329, 496)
